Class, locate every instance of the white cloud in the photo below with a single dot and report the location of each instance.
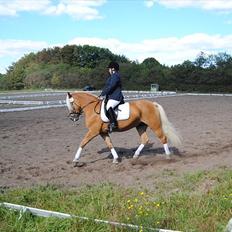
(12, 7)
(19, 47)
(12, 50)
(216, 5)
(149, 3)
(169, 51)
(78, 9)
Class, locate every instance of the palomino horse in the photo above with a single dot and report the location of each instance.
(143, 114)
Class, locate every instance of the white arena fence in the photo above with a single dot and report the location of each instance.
(47, 213)
(25, 95)
(35, 105)
(9, 100)
(31, 102)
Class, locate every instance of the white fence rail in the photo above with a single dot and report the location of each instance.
(129, 95)
(47, 213)
(59, 103)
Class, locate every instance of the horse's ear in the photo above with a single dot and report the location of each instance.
(69, 95)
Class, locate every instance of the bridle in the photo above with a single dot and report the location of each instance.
(74, 116)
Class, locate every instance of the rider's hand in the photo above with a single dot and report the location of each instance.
(100, 97)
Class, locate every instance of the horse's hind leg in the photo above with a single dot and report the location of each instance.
(109, 143)
(141, 128)
(163, 138)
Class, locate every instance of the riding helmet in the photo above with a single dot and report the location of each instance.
(114, 65)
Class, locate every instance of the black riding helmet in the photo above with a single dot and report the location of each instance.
(114, 65)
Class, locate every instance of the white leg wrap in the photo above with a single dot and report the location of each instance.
(77, 156)
(166, 149)
(114, 153)
(139, 149)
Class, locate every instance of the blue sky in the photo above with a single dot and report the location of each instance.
(169, 30)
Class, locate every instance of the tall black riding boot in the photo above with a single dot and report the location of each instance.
(113, 120)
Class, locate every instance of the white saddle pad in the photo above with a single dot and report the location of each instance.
(122, 112)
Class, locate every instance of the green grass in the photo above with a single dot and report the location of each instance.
(199, 201)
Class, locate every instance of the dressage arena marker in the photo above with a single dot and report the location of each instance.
(47, 213)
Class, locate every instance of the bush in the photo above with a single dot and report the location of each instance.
(38, 79)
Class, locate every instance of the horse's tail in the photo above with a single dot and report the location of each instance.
(169, 130)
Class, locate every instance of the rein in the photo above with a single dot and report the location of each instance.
(98, 101)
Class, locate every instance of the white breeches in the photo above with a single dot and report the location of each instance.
(112, 103)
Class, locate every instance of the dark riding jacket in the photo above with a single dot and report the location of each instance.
(113, 88)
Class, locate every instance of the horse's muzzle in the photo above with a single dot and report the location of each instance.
(74, 116)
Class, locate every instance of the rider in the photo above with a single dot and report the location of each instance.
(113, 93)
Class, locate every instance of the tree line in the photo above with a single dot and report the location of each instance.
(75, 66)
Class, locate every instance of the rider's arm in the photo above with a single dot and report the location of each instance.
(113, 83)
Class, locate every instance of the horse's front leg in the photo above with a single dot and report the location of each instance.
(109, 143)
(143, 137)
(88, 137)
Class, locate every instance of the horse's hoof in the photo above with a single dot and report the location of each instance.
(115, 161)
(135, 156)
(78, 164)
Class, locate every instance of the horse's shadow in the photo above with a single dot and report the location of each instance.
(148, 150)
(128, 153)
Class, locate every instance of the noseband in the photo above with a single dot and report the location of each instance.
(74, 116)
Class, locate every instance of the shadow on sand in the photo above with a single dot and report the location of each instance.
(127, 153)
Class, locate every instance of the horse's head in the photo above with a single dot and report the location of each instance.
(73, 107)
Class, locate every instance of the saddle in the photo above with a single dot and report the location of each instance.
(122, 111)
